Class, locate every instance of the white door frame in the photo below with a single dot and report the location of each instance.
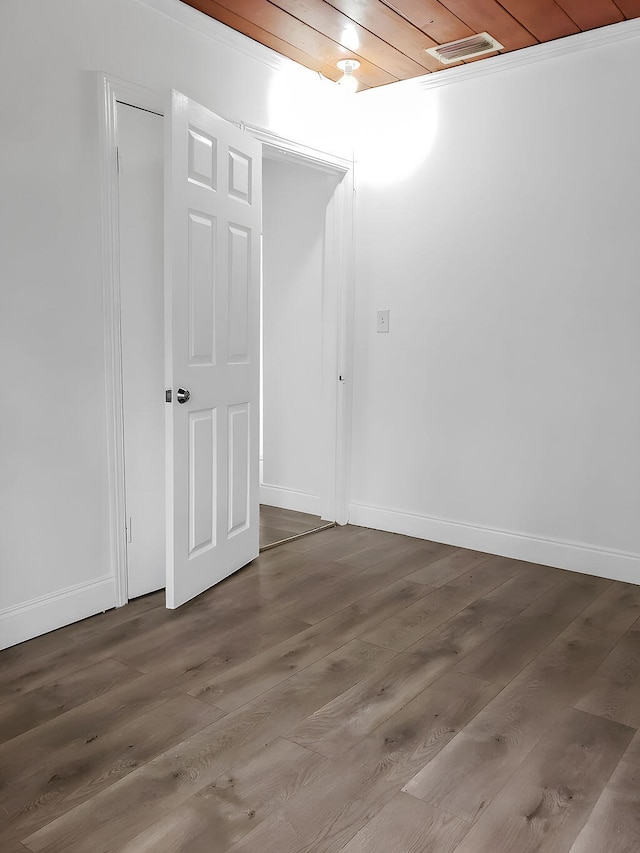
(338, 295)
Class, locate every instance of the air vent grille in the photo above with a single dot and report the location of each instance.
(454, 51)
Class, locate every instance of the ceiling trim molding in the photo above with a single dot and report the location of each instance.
(623, 31)
(224, 35)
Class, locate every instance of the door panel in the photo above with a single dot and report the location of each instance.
(212, 349)
(202, 481)
(202, 274)
(239, 468)
(239, 287)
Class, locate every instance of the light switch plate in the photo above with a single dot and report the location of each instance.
(383, 320)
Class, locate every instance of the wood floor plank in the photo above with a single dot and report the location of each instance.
(278, 525)
(372, 710)
(125, 809)
(327, 814)
(292, 526)
(44, 703)
(222, 813)
(411, 624)
(95, 756)
(412, 737)
(293, 522)
(471, 769)
(247, 680)
(249, 602)
(21, 660)
(547, 801)
(269, 535)
(234, 599)
(614, 823)
(193, 667)
(614, 690)
(351, 583)
(348, 546)
(208, 637)
(407, 825)
(505, 654)
(444, 569)
(325, 538)
(339, 725)
(278, 512)
(371, 555)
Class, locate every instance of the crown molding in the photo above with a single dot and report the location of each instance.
(224, 35)
(624, 31)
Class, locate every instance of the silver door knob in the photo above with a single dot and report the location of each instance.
(182, 395)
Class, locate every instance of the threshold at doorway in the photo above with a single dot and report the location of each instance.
(279, 526)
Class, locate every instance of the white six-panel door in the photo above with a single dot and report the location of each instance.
(212, 256)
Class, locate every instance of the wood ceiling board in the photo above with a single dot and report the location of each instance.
(393, 35)
(374, 16)
(241, 25)
(489, 16)
(544, 18)
(432, 18)
(268, 17)
(589, 14)
(629, 8)
(341, 29)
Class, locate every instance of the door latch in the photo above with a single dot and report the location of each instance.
(167, 395)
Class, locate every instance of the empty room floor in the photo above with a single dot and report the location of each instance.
(277, 525)
(351, 691)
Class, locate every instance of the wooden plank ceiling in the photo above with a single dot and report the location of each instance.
(389, 37)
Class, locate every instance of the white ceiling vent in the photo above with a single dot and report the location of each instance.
(454, 51)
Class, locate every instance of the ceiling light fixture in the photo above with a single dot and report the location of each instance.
(348, 82)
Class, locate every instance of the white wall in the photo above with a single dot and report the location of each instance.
(55, 548)
(295, 201)
(502, 410)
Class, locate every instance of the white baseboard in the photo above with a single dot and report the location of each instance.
(289, 499)
(587, 559)
(48, 612)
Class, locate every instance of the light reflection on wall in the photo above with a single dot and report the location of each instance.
(308, 108)
(395, 131)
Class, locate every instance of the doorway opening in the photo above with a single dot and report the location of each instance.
(295, 430)
(141, 218)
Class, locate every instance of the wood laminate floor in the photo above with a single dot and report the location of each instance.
(277, 525)
(353, 691)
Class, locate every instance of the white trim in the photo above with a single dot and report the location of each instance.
(566, 46)
(110, 90)
(47, 612)
(289, 499)
(278, 148)
(575, 556)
